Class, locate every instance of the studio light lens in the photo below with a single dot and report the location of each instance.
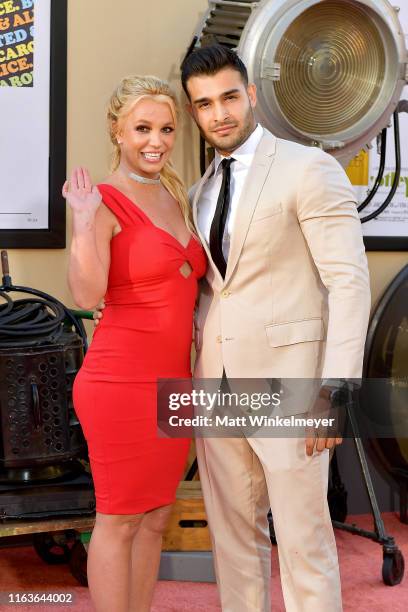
(332, 67)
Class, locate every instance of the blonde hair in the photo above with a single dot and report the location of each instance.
(131, 90)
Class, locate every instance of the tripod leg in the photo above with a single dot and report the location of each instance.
(378, 522)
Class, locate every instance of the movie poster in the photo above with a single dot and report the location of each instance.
(25, 30)
(16, 43)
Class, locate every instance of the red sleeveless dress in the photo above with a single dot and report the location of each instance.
(145, 334)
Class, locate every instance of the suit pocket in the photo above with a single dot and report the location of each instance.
(266, 212)
(294, 332)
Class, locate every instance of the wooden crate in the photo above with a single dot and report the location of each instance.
(187, 529)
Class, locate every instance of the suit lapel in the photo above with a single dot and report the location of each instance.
(196, 197)
(263, 159)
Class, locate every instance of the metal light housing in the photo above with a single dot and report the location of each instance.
(328, 72)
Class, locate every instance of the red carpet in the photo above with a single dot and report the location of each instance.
(360, 561)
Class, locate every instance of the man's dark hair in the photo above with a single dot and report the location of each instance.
(210, 60)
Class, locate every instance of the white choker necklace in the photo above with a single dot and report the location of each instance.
(143, 179)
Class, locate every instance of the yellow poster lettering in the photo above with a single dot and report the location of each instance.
(8, 7)
(7, 55)
(4, 23)
(19, 51)
(25, 49)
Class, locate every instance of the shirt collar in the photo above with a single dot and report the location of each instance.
(245, 153)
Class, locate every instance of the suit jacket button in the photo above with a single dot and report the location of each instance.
(219, 339)
(226, 293)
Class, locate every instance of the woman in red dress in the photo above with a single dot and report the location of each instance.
(134, 243)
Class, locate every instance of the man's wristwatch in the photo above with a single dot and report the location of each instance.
(335, 395)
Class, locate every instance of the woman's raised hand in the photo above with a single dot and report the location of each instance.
(81, 195)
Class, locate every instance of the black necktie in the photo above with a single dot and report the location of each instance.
(220, 217)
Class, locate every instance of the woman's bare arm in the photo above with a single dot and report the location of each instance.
(90, 248)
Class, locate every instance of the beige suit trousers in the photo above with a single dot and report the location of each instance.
(241, 478)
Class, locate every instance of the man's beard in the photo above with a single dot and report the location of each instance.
(230, 144)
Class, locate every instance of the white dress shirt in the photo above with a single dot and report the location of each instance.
(209, 195)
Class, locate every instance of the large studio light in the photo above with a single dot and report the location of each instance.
(328, 72)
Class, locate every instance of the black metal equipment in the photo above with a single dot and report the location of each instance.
(43, 452)
(393, 561)
(386, 357)
(402, 107)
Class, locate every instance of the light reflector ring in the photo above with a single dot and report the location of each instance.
(332, 68)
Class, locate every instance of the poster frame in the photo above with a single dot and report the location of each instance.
(55, 236)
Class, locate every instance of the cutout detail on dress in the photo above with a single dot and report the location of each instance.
(186, 269)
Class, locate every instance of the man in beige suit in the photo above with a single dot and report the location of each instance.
(286, 295)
